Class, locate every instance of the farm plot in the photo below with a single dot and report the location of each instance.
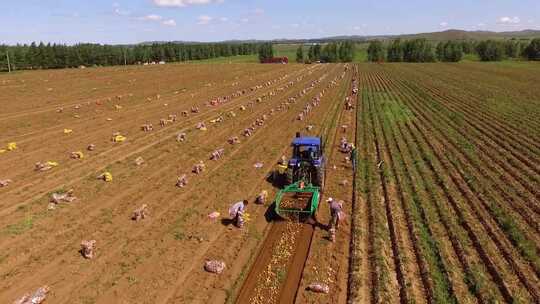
(38, 242)
(160, 257)
(277, 272)
(447, 187)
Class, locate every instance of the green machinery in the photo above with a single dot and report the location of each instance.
(297, 201)
(305, 178)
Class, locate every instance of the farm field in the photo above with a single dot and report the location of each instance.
(444, 205)
(448, 184)
(160, 257)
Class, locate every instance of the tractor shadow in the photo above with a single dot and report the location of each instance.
(276, 180)
(270, 214)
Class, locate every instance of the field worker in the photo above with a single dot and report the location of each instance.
(236, 212)
(335, 215)
(261, 197)
(353, 157)
(281, 170)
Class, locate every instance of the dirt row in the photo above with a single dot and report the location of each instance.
(106, 151)
(133, 183)
(312, 119)
(328, 262)
(275, 274)
(495, 204)
(496, 89)
(171, 224)
(38, 91)
(394, 103)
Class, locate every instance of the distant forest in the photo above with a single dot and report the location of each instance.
(55, 56)
(422, 50)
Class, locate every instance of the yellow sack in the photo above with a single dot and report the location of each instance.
(67, 131)
(12, 146)
(52, 163)
(107, 177)
(119, 138)
(2, 151)
(243, 108)
(281, 169)
(203, 129)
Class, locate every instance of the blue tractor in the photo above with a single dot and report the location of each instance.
(305, 180)
(307, 162)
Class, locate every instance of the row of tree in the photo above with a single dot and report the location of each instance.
(421, 50)
(266, 51)
(47, 56)
(331, 52)
(492, 50)
(416, 50)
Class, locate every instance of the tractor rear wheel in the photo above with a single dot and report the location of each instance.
(319, 178)
(289, 177)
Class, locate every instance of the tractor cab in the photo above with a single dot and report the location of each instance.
(306, 149)
(307, 161)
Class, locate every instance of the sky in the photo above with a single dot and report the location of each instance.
(134, 21)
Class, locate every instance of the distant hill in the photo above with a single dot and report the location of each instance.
(434, 36)
(475, 35)
(444, 35)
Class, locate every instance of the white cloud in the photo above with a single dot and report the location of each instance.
(151, 17)
(244, 20)
(158, 18)
(258, 11)
(223, 19)
(359, 27)
(509, 20)
(481, 24)
(295, 25)
(204, 19)
(443, 24)
(120, 12)
(183, 3)
(169, 22)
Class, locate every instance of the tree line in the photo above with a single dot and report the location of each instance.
(421, 50)
(331, 52)
(53, 56)
(265, 51)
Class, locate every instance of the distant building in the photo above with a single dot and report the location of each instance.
(283, 60)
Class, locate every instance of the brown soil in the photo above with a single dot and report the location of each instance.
(442, 208)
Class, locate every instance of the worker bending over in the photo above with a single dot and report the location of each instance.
(335, 216)
(237, 211)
